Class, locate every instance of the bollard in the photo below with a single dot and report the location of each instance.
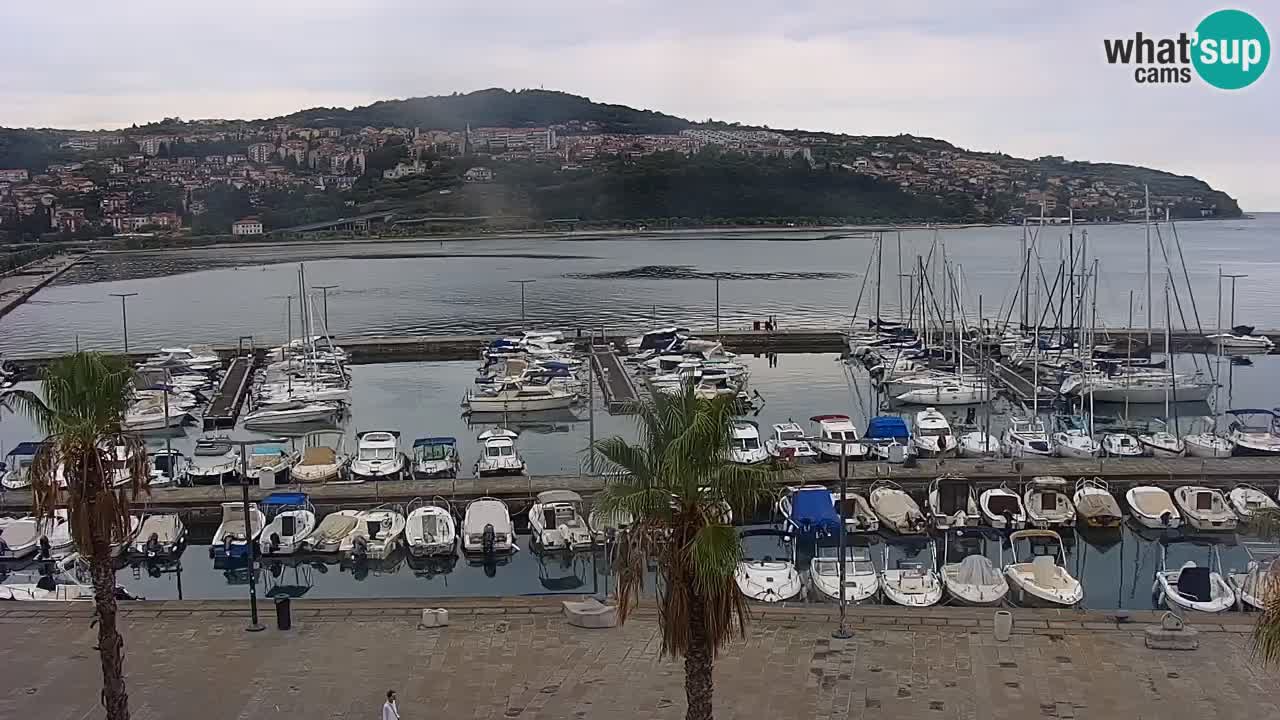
(1003, 625)
(284, 614)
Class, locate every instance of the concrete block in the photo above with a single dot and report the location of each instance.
(1159, 638)
(591, 613)
(434, 617)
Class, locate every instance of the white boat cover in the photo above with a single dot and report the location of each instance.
(978, 570)
(333, 528)
(896, 507)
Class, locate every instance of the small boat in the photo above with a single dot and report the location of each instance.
(17, 475)
(55, 536)
(788, 445)
(861, 579)
(952, 502)
(809, 510)
(290, 521)
(1152, 507)
(378, 456)
(487, 528)
(1042, 581)
(744, 446)
(1246, 500)
(1002, 508)
(662, 340)
(499, 455)
(293, 412)
(1241, 341)
(1193, 587)
(435, 457)
(956, 393)
(323, 458)
(149, 416)
(20, 537)
(1255, 432)
(968, 575)
(378, 532)
(1257, 581)
(1047, 503)
(830, 431)
(272, 461)
(521, 397)
(1208, 445)
(168, 466)
(430, 530)
(978, 444)
(1025, 437)
(933, 438)
(213, 462)
(896, 509)
(856, 511)
(912, 581)
(556, 522)
(606, 527)
(1120, 444)
(131, 535)
(63, 584)
(888, 439)
(1071, 438)
(767, 579)
(1204, 508)
(230, 541)
(332, 531)
(162, 536)
(1161, 443)
(1095, 506)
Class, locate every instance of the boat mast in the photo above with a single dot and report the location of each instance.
(1128, 360)
(1172, 390)
(1026, 276)
(1146, 192)
(879, 257)
(1218, 361)
(1093, 324)
(902, 318)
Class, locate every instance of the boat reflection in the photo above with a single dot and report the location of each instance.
(541, 422)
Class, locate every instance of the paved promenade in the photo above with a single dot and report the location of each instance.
(516, 658)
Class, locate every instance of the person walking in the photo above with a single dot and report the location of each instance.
(389, 709)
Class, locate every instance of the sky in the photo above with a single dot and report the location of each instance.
(1024, 77)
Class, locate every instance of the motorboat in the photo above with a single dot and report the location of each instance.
(556, 522)
(213, 462)
(767, 579)
(487, 528)
(1047, 503)
(333, 529)
(323, 458)
(1161, 443)
(856, 511)
(1236, 340)
(18, 537)
(378, 532)
(1258, 580)
(1209, 445)
(18, 461)
(230, 541)
(896, 509)
(150, 416)
(195, 357)
(1002, 508)
(1204, 508)
(168, 467)
(830, 430)
(1071, 438)
(787, 445)
(1095, 506)
(62, 584)
(744, 446)
(888, 439)
(1255, 432)
(271, 461)
(1192, 586)
(968, 575)
(430, 529)
(809, 510)
(161, 537)
(293, 412)
(661, 339)
(1120, 444)
(290, 521)
(1247, 500)
(957, 393)
(378, 456)
(55, 536)
(912, 581)
(1041, 580)
(498, 454)
(521, 397)
(977, 444)
(952, 502)
(435, 457)
(131, 535)
(861, 579)
(1025, 437)
(1152, 507)
(933, 437)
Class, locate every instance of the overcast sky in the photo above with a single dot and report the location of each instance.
(1020, 76)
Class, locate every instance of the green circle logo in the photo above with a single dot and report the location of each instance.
(1232, 49)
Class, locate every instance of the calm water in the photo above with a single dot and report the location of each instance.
(804, 279)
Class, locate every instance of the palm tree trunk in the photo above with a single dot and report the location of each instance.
(697, 662)
(110, 644)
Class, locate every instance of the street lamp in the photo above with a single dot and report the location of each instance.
(522, 284)
(843, 632)
(251, 541)
(325, 289)
(124, 316)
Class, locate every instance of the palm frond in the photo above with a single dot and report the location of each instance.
(1265, 524)
(1265, 646)
(713, 553)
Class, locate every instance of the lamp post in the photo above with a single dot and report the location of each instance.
(717, 304)
(251, 540)
(842, 632)
(124, 316)
(522, 283)
(325, 289)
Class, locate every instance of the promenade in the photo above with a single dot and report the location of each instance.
(516, 658)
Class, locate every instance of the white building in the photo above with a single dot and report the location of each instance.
(247, 226)
(261, 152)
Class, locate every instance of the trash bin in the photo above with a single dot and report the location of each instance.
(284, 616)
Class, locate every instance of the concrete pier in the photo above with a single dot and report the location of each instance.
(18, 285)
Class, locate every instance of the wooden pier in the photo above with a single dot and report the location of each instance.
(224, 409)
(616, 385)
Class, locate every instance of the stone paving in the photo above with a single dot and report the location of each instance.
(517, 658)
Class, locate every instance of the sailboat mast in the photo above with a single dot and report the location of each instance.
(1093, 325)
(1026, 275)
(879, 257)
(1128, 359)
(902, 318)
(1218, 361)
(1146, 192)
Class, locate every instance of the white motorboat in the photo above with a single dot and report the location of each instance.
(1071, 438)
(856, 511)
(293, 412)
(62, 585)
(1002, 508)
(914, 581)
(521, 397)
(1095, 506)
(1238, 341)
(290, 521)
(378, 456)
(1255, 432)
(1162, 444)
(18, 537)
(809, 510)
(195, 357)
(744, 446)
(952, 502)
(1047, 503)
(1208, 445)
(1025, 437)
(556, 522)
(168, 467)
(333, 529)
(162, 536)
(767, 579)
(1041, 580)
(968, 575)
(56, 532)
(1152, 507)
(896, 509)
(978, 444)
(149, 416)
(230, 541)
(933, 438)
(1204, 508)
(213, 462)
(498, 454)
(788, 445)
(888, 439)
(487, 528)
(430, 530)
(17, 475)
(1247, 500)
(861, 579)
(435, 457)
(1193, 587)
(131, 536)
(378, 532)
(323, 458)
(1120, 444)
(830, 430)
(958, 393)
(271, 461)
(1255, 584)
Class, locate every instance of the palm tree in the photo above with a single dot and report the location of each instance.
(1266, 633)
(672, 484)
(80, 409)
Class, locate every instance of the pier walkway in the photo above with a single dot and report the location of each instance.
(517, 658)
(225, 406)
(21, 283)
(616, 385)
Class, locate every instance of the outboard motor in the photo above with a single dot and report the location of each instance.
(360, 547)
(46, 550)
(274, 541)
(488, 539)
(1166, 517)
(153, 545)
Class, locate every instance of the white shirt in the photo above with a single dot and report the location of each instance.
(390, 711)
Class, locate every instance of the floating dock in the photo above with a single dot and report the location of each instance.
(224, 408)
(616, 385)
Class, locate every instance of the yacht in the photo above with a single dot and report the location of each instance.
(290, 521)
(17, 475)
(1120, 444)
(830, 430)
(521, 397)
(744, 447)
(1042, 580)
(913, 581)
(152, 416)
(1255, 432)
(1095, 506)
(1025, 437)
(487, 528)
(377, 533)
(861, 579)
(788, 445)
(378, 456)
(952, 502)
(1204, 508)
(435, 457)
(1152, 507)
(292, 412)
(933, 438)
(556, 522)
(230, 541)
(968, 575)
(323, 458)
(1002, 508)
(498, 454)
(272, 461)
(1071, 438)
(430, 529)
(213, 462)
(768, 579)
(1241, 337)
(956, 393)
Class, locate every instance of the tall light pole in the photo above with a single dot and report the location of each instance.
(717, 304)
(251, 540)
(842, 632)
(124, 316)
(325, 289)
(522, 283)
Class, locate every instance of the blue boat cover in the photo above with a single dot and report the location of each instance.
(887, 427)
(426, 441)
(285, 498)
(812, 511)
(25, 448)
(268, 449)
